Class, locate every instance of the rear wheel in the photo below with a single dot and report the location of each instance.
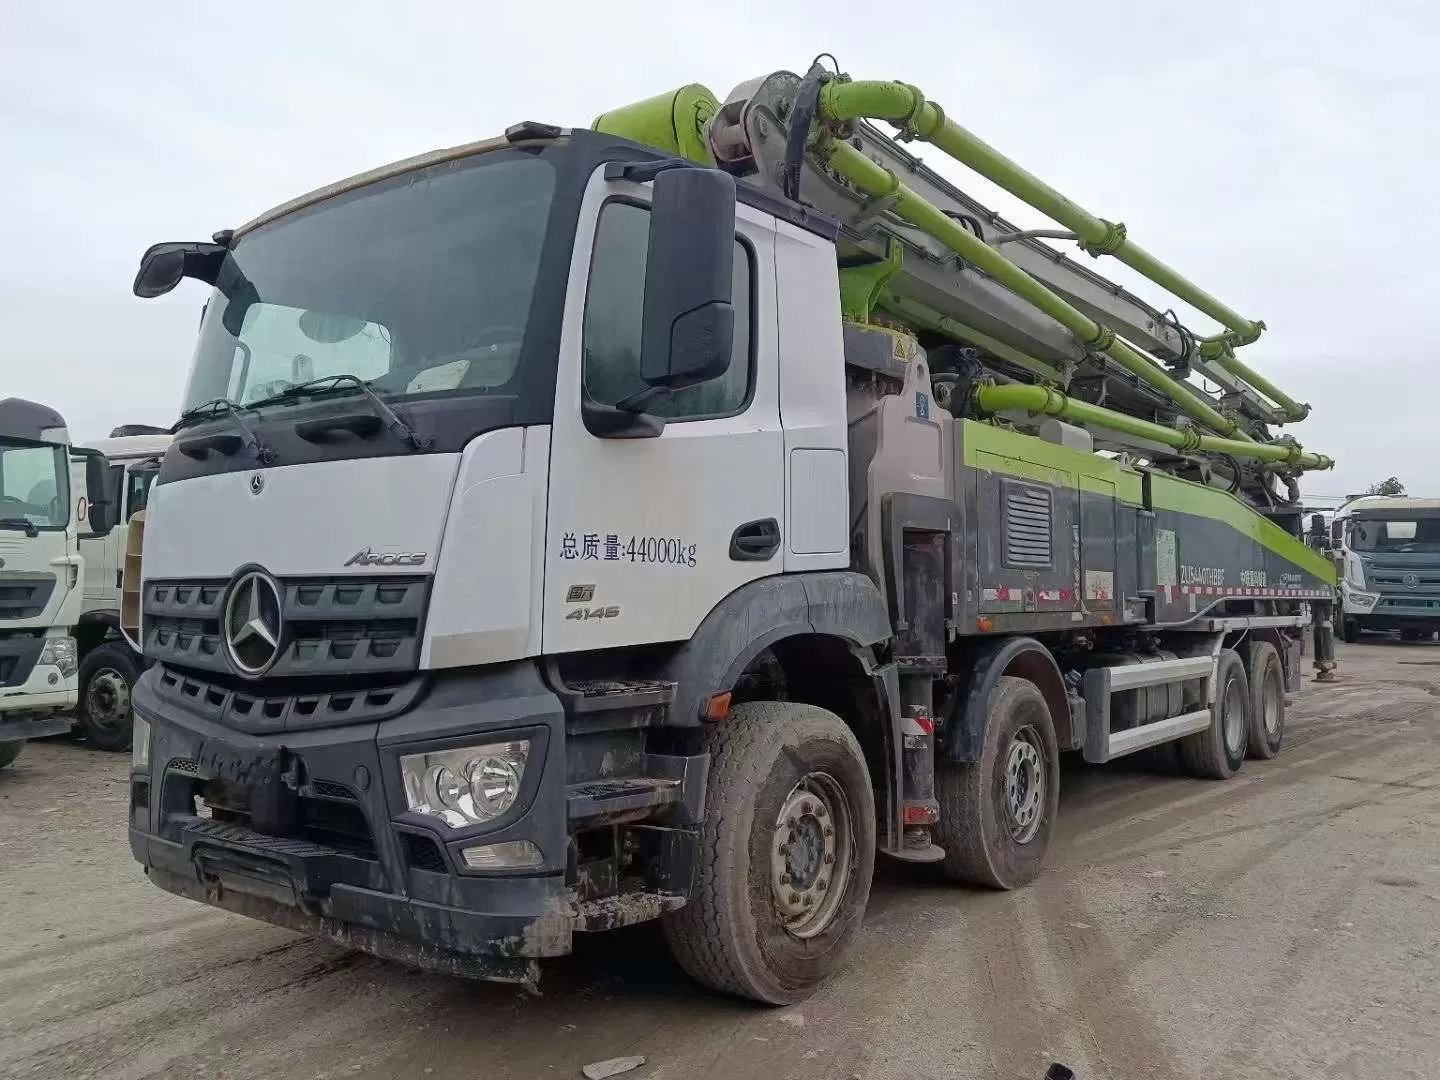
(1218, 752)
(786, 854)
(9, 751)
(107, 676)
(1267, 701)
(996, 814)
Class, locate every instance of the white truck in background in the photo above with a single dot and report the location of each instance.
(42, 568)
(109, 665)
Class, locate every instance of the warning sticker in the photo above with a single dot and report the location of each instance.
(1099, 585)
(1167, 575)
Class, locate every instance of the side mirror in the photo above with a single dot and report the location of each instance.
(98, 492)
(689, 322)
(163, 265)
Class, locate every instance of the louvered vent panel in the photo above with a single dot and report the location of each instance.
(1028, 526)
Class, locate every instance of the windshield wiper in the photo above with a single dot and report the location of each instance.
(336, 382)
(29, 528)
(209, 410)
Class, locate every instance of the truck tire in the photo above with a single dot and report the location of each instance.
(785, 858)
(996, 814)
(107, 677)
(1349, 632)
(1218, 752)
(1267, 701)
(9, 751)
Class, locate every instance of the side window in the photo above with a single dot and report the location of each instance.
(614, 307)
(117, 488)
(137, 483)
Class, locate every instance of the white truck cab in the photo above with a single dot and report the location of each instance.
(109, 664)
(41, 569)
(1387, 551)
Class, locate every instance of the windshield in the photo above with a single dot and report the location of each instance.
(1395, 534)
(420, 283)
(34, 486)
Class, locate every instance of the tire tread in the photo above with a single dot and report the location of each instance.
(1203, 754)
(702, 939)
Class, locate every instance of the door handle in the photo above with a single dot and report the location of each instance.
(755, 541)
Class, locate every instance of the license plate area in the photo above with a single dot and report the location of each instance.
(263, 785)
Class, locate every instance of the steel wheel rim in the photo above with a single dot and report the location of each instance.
(1232, 717)
(107, 699)
(811, 855)
(1025, 785)
(1270, 707)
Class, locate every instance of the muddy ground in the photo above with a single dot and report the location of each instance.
(1286, 923)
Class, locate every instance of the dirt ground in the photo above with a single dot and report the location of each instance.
(1286, 923)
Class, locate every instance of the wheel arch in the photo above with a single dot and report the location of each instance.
(825, 633)
(983, 665)
(840, 606)
(95, 627)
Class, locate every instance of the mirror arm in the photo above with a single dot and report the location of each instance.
(637, 401)
(611, 422)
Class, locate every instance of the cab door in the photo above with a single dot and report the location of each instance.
(645, 536)
(101, 589)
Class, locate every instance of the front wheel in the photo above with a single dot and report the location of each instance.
(1349, 632)
(786, 853)
(996, 814)
(9, 751)
(107, 677)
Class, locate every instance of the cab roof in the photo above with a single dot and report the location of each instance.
(1386, 502)
(129, 447)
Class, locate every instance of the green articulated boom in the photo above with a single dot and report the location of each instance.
(1032, 333)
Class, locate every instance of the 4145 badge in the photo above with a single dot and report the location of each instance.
(613, 547)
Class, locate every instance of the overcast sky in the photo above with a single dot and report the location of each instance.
(1283, 154)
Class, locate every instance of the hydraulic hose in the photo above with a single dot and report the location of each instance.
(880, 182)
(906, 108)
(1221, 353)
(1044, 400)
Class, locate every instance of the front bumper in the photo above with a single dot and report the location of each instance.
(24, 728)
(1384, 618)
(350, 863)
(45, 690)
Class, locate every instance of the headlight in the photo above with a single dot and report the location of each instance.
(1354, 571)
(140, 744)
(466, 786)
(1359, 601)
(60, 652)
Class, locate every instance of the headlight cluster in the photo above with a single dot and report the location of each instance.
(140, 744)
(60, 652)
(466, 786)
(1354, 571)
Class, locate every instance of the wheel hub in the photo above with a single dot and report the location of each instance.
(1024, 785)
(108, 698)
(1233, 720)
(811, 854)
(1271, 708)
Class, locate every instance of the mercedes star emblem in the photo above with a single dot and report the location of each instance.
(252, 624)
(257, 483)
